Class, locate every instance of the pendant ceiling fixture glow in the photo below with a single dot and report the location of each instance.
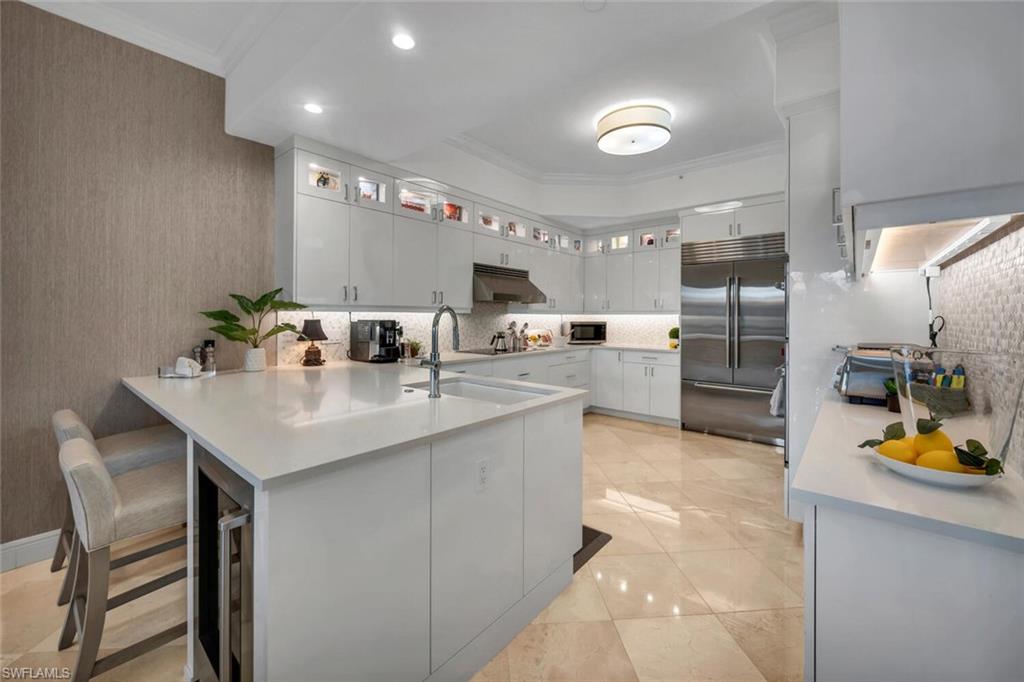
(634, 130)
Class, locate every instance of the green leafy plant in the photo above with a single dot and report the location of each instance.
(973, 454)
(673, 333)
(894, 431)
(890, 387)
(231, 328)
(414, 347)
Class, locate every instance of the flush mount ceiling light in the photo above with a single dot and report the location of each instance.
(403, 41)
(634, 129)
(313, 108)
(718, 208)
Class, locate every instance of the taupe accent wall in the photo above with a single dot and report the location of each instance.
(126, 208)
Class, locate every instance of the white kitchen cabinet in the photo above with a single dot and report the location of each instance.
(321, 176)
(371, 257)
(595, 278)
(552, 504)
(480, 368)
(454, 267)
(707, 227)
(489, 221)
(488, 250)
(372, 190)
(669, 263)
(606, 378)
(619, 283)
(415, 262)
(763, 219)
(636, 388)
(455, 210)
(522, 368)
(646, 280)
(518, 254)
(476, 510)
(665, 385)
(321, 251)
(413, 201)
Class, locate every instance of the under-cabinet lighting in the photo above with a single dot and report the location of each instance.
(983, 228)
(313, 108)
(718, 208)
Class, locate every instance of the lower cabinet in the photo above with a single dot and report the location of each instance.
(606, 378)
(476, 533)
(650, 384)
(636, 388)
(483, 368)
(522, 368)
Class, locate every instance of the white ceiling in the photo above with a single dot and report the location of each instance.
(516, 83)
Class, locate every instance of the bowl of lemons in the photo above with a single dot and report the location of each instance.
(931, 456)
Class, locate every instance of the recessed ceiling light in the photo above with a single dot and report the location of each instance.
(634, 130)
(718, 208)
(313, 108)
(403, 41)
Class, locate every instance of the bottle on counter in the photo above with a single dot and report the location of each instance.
(209, 360)
(197, 355)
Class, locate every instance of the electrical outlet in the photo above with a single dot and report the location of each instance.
(482, 473)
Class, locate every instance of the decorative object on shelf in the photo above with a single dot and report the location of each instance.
(257, 310)
(312, 331)
(673, 338)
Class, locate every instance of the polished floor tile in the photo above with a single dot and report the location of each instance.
(685, 648)
(686, 530)
(580, 652)
(604, 498)
(683, 468)
(759, 526)
(785, 562)
(734, 580)
(580, 602)
(644, 586)
(631, 472)
(773, 640)
(744, 468)
(654, 496)
(629, 534)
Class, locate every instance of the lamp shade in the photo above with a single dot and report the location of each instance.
(312, 331)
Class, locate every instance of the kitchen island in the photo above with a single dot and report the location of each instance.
(904, 580)
(394, 536)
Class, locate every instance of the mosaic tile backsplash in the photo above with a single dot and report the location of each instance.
(475, 329)
(982, 299)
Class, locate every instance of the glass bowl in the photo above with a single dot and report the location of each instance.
(976, 395)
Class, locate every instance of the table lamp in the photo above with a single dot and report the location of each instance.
(312, 332)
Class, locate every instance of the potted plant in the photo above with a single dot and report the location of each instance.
(673, 337)
(414, 348)
(231, 328)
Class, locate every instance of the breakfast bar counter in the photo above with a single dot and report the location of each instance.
(905, 580)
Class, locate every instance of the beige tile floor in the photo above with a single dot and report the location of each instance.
(702, 581)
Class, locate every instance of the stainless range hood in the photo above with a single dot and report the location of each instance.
(504, 285)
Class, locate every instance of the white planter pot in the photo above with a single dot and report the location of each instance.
(255, 359)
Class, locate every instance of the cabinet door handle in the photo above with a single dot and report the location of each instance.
(655, 303)
(620, 356)
(433, 297)
(739, 229)
(440, 297)
(652, 372)
(346, 191)
(730, 229)
(523, 374)
(355, 293)
(225, 525)
(345, 287)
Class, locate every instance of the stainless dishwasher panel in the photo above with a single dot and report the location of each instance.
(223, 574)
(730, 410)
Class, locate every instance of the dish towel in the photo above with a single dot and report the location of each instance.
(777, 404)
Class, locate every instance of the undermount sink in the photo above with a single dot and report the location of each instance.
(484, 391)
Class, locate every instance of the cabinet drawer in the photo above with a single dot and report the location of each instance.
(521, 369)
(480, 369)
(571, 356)
(651, 358)
(571, 375)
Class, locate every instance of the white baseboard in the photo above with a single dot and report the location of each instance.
(632, 415)
(24, 551)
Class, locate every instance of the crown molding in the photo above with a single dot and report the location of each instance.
(802, 19)
(107, 18)
(485, 152)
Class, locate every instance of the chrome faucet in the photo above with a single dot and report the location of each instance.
(434, 363)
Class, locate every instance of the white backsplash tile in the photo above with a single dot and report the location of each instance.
(475, 329)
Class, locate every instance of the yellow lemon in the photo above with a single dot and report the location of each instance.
(944, 460)
(909, 440)
(973, 470)
(898, 449)
(936, 440)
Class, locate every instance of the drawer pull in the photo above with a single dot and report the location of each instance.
(570, 376)
(648, 357)
(523, 374)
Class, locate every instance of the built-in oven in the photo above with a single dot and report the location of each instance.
(588, 332)
(223, 576)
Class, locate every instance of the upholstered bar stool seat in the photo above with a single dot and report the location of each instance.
(121, 452)
(108, 509)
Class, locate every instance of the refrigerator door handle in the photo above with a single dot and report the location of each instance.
(736, 325)
(728, 322)
(734, 389)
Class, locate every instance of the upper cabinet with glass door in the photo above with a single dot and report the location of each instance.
(455, 210)
(489, 221)
(414, 201)
(656, 238)
(515, 228)
(321, 176)
(372, 190)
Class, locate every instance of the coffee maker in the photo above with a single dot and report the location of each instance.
(374, 340)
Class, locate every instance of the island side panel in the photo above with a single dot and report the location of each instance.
(553, 506)
(893, 602)
(347, 589)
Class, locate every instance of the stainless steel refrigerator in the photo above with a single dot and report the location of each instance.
(732, 333)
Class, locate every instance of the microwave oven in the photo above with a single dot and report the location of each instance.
(588, 332)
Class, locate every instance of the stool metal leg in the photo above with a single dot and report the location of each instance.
(69, 578)
(64, 542)
(95, 611)
(78, 570)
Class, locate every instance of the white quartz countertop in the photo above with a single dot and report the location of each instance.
(287, 422)
(835, 472)
(462, 357)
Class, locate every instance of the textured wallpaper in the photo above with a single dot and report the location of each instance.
(475, 329)
(982, 299)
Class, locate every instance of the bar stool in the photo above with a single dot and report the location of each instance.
(121, 452)
(108, 509)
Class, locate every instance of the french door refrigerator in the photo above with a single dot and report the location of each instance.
(732, 333)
